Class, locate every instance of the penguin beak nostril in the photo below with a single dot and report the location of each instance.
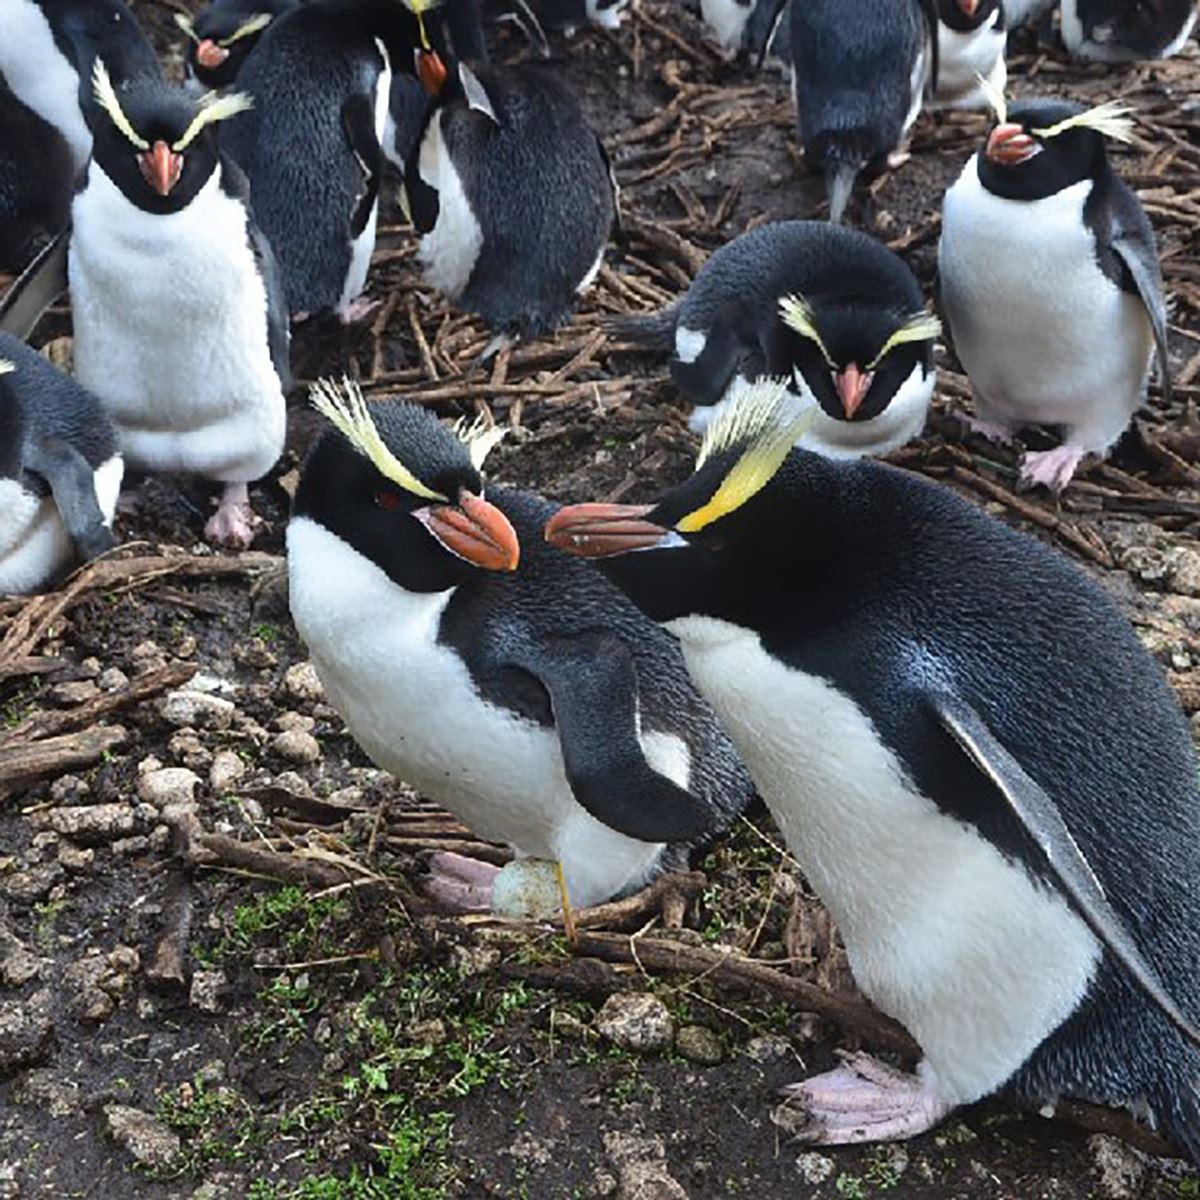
(852, 387)
(1010, 145)
(209, 55)
(431, 71)
(161, 167)
(475, 531)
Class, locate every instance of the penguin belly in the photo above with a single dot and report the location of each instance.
(978, 961)
(171, 332)
(450, 250)
(966, 57)
(1044, 335)
(411, 704)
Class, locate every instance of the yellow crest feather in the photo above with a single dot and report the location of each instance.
(1112, 119)
(796, 314)
(106, 97)
(247, 28)
(6, 368)
(994, 96)
(763, 419)
(346, 409)
(186, 24)
(479, 437)
(213, 107)
(919, 327)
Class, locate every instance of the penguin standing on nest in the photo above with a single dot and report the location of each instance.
(1050, 283)
(977, 765)
(60, 471)
(829, 309)
(513, 686)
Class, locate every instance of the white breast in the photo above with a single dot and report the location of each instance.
(963, 58)
(942, 932)
(39, 75)
(725, 22)
(413, 707)
(1043, 334)
(171, 332)
(451, 248)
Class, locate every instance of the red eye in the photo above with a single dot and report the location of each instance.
(388, 500)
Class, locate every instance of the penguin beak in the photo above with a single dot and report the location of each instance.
(969, 8)
(852, 387)
(1010, 145)
(161, 167)
(431, 71)
(209, 55)
(603, 530)
(475, 531)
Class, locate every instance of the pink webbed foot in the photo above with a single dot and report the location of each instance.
(357, 309)
(234, 523)
(864, 1101)
(460, 883)
(994, 431)
(1051, 468)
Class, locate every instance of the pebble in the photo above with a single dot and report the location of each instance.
(1119, 1169)
(94, 824)
(34, 884)
(301, 683)
(636, 1021)
(69, 789)
(770, 1047)
(1186, 578)
(112, 679)
(641, 1167)
(227, 768)
(187, 748)
(297, 746)
(17, 965)
(815, 1168)
(207, 989)
(698, 1044)
(294, 720)
(168, 786)
(68, 695)
(26, 1033)
(75, 859)
(149, 1141)
(199, 710)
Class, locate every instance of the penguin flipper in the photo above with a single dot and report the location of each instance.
(593, 687)
(1040, 819)
(278, 329)
(930, 13)
(1130, 244)
(72, 484)
(36, 288)
(358, 120)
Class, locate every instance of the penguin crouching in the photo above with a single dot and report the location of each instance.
(512, 193)
(60, 471)
(508, 683)
(978, 766)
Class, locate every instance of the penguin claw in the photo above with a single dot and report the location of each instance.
(1050, 468)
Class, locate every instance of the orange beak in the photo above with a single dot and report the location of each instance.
(602, 530)
(1010, 145)
(209, 55)
(431, 71)
(475, 531)
(161, 167)
(852, 387)
(969, 7)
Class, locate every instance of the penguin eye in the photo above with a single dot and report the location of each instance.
(387, 499)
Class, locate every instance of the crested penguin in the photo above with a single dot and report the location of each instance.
(178, 317)
(223, 35)
(60, 470)
(513, 195)
(971, 38)
(46, 55)
(533, 701)
(859, 74)
(1050, 283)
(979, 768)
(1120, 31)
(830, 309)
(757, 27)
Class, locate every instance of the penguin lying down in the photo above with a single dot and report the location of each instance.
(60, 471)
(533, 700)
(980, 769)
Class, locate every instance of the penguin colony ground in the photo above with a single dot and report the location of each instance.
(957, 737)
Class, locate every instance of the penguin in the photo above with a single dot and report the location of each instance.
(757, 27)
(1118, 31)
(512, 685)
(971, 37)
(859, 73)
(60, 471)
(830, 309)
(513, 195)
(979, 768)
(1025, 12)
(1050, 283)
(47, 52)
(311, 147)
(224, 34)
(37, 177)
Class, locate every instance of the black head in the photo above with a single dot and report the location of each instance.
(852, 349)
(1134, 28)
(404, 491)
(964, 15)
(224, 34)
(1042, 146)
(155, 142)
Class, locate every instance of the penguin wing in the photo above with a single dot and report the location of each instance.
(278, 332)
(593, 686)
(358, 120)
(72, 483)
(1132, 240)
(930, 13)
(1040, 819)
(37, 287)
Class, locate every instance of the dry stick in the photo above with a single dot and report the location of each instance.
(167, 968)
(35, 664)
(20, 765)
(642, 904)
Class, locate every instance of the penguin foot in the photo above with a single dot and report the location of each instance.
(357, 309)
(1051, 468)
(864, 1101)
(235, 522)
(994, 431)
(460, 883)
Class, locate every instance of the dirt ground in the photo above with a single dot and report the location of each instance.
(217, 978)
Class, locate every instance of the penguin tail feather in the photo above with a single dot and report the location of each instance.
(655, 331)
(840, 175)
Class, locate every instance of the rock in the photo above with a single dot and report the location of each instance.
(26, 1033)
(169, 786)
(68, 695)
(227, 768)
(73, 859)
(641, 1167)
(112, 679)
(636, 1021)
(770, 1047)
(1119, 1169)
(187, 707)
(147, 656)
(94, 824)
(33, 884)
(17, 965)
(96, 981)
(46, 1089)
(297, 746)
(207, 987)
(815, 1168)
(698, 1044)
(1186, 578)
(301, 683)
(294, 720)
(254, 653)
(69, 789)
(187, 748)
(149, 1141)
